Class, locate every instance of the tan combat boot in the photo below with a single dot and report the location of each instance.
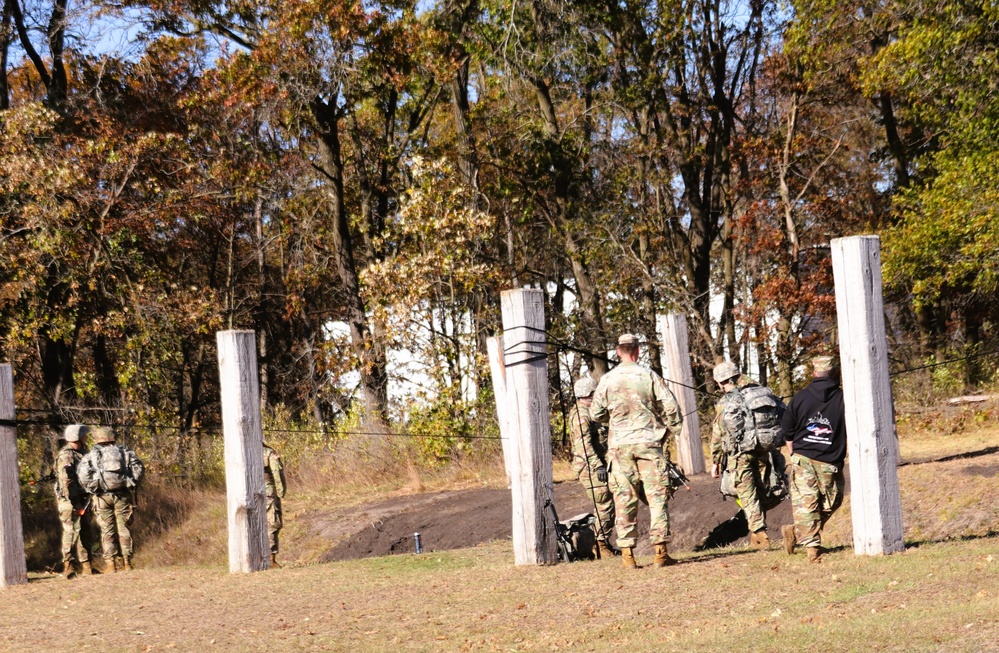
(662, 558)
(114, 565)
(790, 539)
(814, 554)
(628, 558)
(86, 569)
(126, 564)
(604, 550)
(759, 540)
(274, 562)
(68, 570)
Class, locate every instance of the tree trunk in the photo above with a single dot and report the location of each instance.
(374, 379)
(6, 36)
(263, 313)
(105, 376)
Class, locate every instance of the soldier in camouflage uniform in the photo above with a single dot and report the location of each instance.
(641, 412)
(589, 461)
(815, 431)
(71, 500)
(110, 473)
(748, 468)
(274, 480)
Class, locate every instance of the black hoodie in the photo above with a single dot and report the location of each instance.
(813, 422)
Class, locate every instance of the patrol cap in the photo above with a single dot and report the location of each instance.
(725, 370)
(584, 387)
(103, 434)
(74, 432)
(627, 339)
(823, 364)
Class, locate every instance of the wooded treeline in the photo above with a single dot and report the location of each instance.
(352, 179)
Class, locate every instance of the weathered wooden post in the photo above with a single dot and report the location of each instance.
(680, 378)
(13, 566)
(870, 417)
(494, 346)
(528, 417)
(249, 549)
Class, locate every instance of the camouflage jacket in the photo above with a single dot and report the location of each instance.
(67, 486)
(273, 473)
(589, 443)
(637, 405)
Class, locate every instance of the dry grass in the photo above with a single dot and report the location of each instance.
(941, 595)
(937, 597)
(342, 480)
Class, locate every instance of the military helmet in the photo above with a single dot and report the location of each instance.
(725, 371)
(103, 434)
(74, 432)
(584, 387)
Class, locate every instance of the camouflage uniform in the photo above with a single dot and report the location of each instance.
(274, 481)
(114, 512)
(71, 499)
(114, 507)
(749, 469)
(816, 493)
(641, 412)
(589, 451)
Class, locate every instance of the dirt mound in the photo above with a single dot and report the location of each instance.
(463, 518)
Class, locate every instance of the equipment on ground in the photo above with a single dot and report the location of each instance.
(575, 537)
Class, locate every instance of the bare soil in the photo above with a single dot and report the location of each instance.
(465, 518)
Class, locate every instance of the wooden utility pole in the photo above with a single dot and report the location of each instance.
(13, 566)
(526, 365)
(680, 378)
(498, 368)
(870, 416)
(249, 549)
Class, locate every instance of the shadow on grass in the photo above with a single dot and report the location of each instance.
(915, 544)
(987, 451)
(716, 553)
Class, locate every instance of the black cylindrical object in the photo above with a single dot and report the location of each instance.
(416, 541)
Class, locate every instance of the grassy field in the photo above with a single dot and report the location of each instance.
(935, 597)
(942, 594)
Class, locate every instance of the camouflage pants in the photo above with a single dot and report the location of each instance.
(603, 502)
(114, 515)
(748, 473)
(71, 532)
(274, 521)
(638, 471)
(816, 493)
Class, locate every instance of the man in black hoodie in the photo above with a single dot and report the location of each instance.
(815, 432)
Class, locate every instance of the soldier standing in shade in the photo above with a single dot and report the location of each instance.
(641, 412)
(749, 466)
(72, 501)
(815, 432)
(589, 461)
(110, 473)
(274, 480)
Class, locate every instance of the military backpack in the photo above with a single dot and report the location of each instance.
(752, 419)
(114, 469)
